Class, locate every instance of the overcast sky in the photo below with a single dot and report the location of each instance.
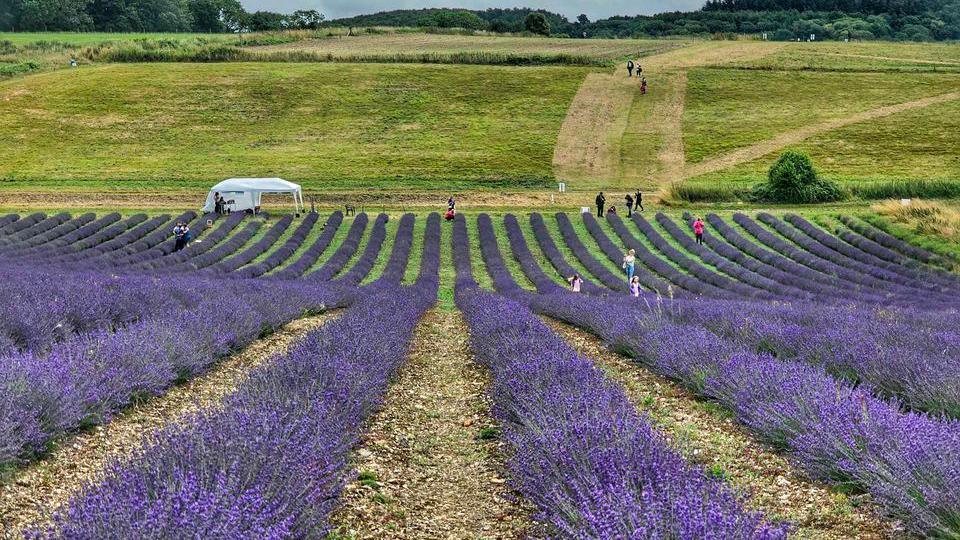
(595, 9)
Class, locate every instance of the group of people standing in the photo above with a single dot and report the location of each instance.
(219, 204)
(181, 236)
(633, 203)
(631, 66)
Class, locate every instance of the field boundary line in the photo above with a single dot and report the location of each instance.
(795, 136)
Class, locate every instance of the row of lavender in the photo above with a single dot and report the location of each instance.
(81, 345)
(270, 462)
(838, 432)
(578, 449)
(801, 261)
(783, 370)
(85, 378)
(909, 354)
(789, 258)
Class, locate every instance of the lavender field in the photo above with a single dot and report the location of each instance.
(322, 376)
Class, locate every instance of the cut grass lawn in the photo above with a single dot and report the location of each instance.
(183, 126)
(860, 56)
(729, 109)
(922, 144)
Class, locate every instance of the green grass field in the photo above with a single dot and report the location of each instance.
(861, 56)
(442, 44)
(922, 144)
(727, 109)
(175, 125)
(347, 127)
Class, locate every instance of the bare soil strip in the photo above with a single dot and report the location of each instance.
(761, 149)
(670, 116)
(36, 491)
(705, 435)
(589, 140)
(425, 470)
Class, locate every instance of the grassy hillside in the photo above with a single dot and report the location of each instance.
(728, 108)
(715, 117)
(861, 56)
(918, 145)
(389, 44)
(345, 127)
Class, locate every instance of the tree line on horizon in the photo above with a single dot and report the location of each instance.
(914, 20)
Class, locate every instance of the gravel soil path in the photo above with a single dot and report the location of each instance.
(430, 465)
(707, 435)
(34, 492)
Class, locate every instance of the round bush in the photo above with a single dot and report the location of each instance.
(793, 179)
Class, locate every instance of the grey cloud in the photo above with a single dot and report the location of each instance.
(595, 9)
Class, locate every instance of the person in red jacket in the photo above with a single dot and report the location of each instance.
(698, 230)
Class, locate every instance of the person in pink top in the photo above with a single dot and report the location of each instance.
(575, 282)
(698, 230)
(635, 286)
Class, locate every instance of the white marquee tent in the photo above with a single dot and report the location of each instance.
(245, 193)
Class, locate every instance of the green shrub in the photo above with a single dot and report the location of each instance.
(793, 179)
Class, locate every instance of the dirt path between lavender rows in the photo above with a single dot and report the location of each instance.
(35, 492)
(426, 469)
(795, 136)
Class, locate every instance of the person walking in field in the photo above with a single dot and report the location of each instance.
(629, 260)
(698, 230)
(639, 68)
(635, 286)
(601, 200)
(643, 87)
(629, 201)
(575, 282)
(638, 200)
(629, 68)
(451, 204)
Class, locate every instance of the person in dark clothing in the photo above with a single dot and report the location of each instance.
(601, 200)
(451, 204)
(179, 236)
(629, 68)
(217, 203)
(629, 201)
(639, 69)
(638, 200)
